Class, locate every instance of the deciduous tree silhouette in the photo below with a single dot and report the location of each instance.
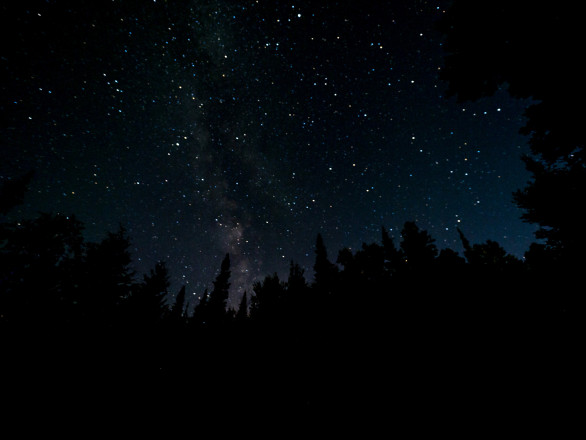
(533, 49)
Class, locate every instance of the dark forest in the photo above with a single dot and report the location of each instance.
(394, 333)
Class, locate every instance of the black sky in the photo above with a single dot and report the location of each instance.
(247, 127)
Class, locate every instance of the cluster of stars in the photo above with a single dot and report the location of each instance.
(248, 127)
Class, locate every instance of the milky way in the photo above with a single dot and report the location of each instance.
(247, 127)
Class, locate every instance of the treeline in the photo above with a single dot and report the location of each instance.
(54, 280)
(392, 317)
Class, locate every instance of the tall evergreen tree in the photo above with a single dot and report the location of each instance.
(148, 303)
(267, 304)
(242, 313)
(199, 316)
(324, 270)
(108, 276)
(418, 247)
(392, 256)
(216, 305)
(296, 283)
(489, 253)
(177, 312)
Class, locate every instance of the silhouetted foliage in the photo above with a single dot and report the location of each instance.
(532, 48)
(324, 270)
(12, 192)
(109, 278)
(216, 313)
(393, 256)
(242, 312)
(269, 299)
(177, 312)
(199, 316)
(147, 304)
(39, 264)
(417, 246)
(385, 319)
(449, 258)
(552, 201)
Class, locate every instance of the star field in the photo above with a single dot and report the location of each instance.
(247, 127)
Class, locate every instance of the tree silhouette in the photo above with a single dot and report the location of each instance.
(216, 313)
(242, 313)
(177, 314)
(148, 301)
(392, 255)
(268, 302)
(489, 253)
(39, 265)
(450, 259)
(199, 316)
(551, 201)
(324, 270)
(296, 283)
(12, 192)
(303, 347)
(417, 246)
(532, 48)
(108, 279)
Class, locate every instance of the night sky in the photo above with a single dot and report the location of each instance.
(207, 127)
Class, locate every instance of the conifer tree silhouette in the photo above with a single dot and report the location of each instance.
(216, 312)
(108, 279)
(296, 282)
(177, 312)
(199, 316)
(148, 301)
(489, 253)
(12, 192)
(268, 301)
(418, 247)
(392, 256)
(39, 261)
(242, 312)
(324, 271)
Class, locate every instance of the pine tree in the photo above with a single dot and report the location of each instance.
(296, 283)
(242, 312)
(108, 279)
(392, 256)
(148, 302)
(216, 306)
(199, 316)
(324, 270)
(418, 248)
(177, 310)
(268, 301)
